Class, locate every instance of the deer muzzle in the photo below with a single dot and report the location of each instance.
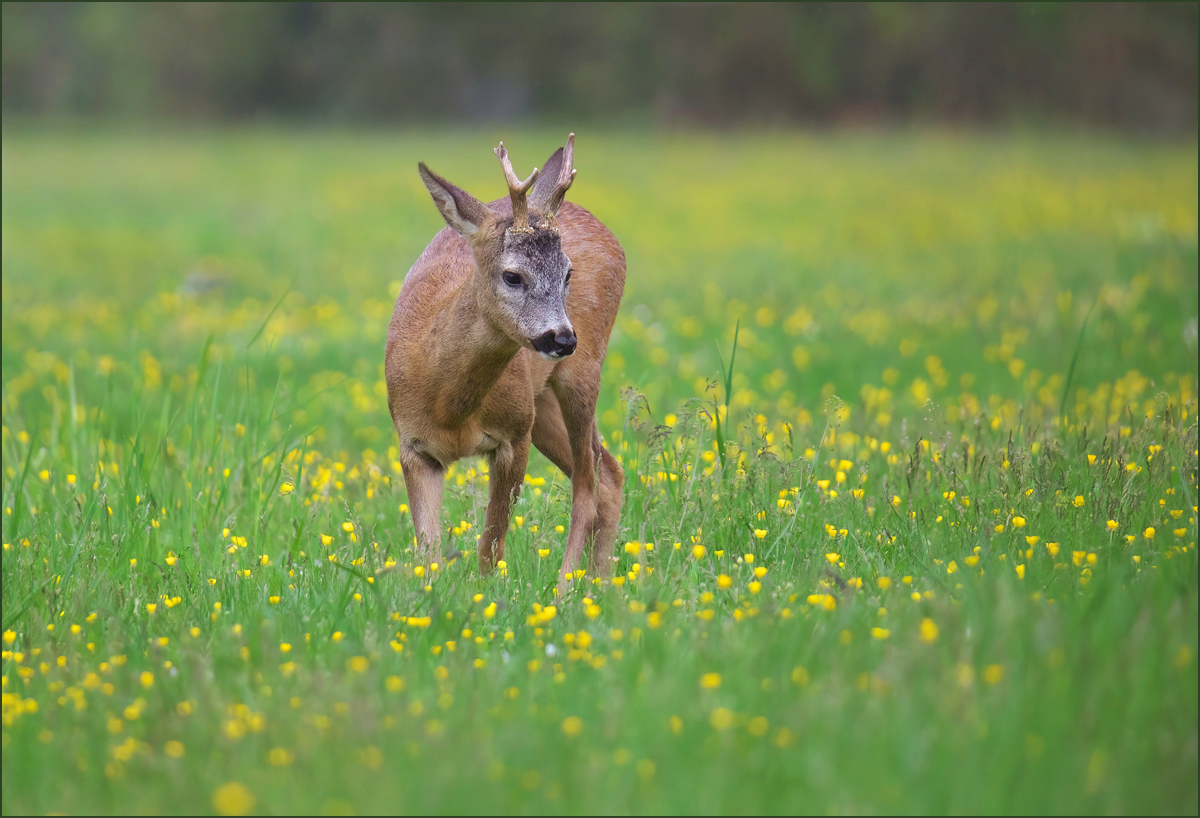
(555, 344)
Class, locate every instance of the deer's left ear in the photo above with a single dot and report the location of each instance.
(555, 179)
(462, 211)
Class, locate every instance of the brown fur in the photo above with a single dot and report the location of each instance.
(459, 386)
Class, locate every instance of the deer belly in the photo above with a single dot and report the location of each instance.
(449, 446)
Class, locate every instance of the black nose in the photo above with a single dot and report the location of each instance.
(559, 344)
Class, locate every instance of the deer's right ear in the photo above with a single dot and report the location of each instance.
(462, 211)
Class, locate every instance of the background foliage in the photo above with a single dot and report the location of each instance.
(1127, 65)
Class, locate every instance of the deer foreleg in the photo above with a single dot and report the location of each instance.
(506, 472)
(578, 403)
(423, 478)
(608, 512)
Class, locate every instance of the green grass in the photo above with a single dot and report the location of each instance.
(992, 338)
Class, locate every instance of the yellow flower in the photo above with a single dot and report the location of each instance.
(1052, 547)
(1018, 522)
(326, 539)
(284, 647)
(880, 633)
(233, 799)
(1148, 533)
(572, 726)
(992, 674)
(755, 587)
(146, 678)
(1079, 501)
(760, 532)
(929, 631)
(348, 527)
(1020, 571)
(1112, 525)
(1180, 533)
(1032, 540)
(710, 681)
(833, 558)
(952, 567)
(358, 664)
(884, 583)
(721, 718)
(698, 551)
(1077, 557)
(173, 749)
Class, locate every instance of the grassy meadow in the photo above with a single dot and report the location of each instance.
(925, 542)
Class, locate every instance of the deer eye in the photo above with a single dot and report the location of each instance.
(567, 280)
(511, 279)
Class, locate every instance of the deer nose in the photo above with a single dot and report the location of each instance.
(558, 343)
(566, 342)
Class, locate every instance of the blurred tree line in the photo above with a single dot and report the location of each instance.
(1129, 66)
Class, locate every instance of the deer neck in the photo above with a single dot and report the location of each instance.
(470, 353)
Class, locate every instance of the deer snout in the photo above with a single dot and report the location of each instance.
(555, 343)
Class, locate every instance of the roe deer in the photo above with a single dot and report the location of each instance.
(496, 342)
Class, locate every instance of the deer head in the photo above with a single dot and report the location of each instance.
(521, 272)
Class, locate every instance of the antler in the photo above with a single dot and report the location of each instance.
(516, 190)
(566, 176)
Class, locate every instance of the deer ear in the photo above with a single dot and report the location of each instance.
(543, 188)
(462, 211)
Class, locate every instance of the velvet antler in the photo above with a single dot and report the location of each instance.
(516, 191)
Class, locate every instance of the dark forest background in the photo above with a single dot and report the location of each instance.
(1123, 66)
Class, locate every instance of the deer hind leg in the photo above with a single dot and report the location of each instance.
(608, 509)
(506, 469)
(423, 479)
